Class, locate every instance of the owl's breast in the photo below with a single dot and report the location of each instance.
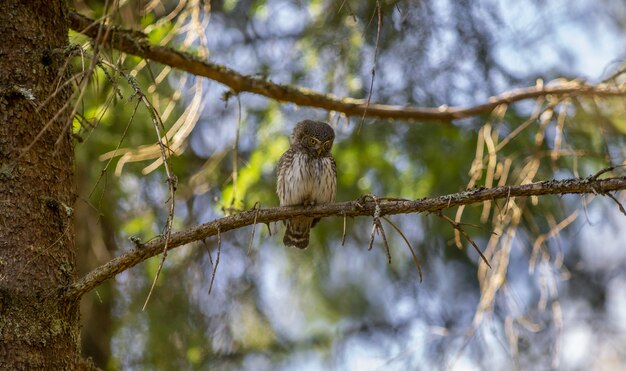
(295, 181)
(325, 181)
(306, 180)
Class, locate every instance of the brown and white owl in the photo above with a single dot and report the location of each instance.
(307, 176)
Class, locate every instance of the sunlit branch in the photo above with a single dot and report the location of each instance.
(362, 207)
(136, 43)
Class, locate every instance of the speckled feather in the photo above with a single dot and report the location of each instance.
(307, 175)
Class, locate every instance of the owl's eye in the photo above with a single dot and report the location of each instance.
(327, 145)
(312, 141)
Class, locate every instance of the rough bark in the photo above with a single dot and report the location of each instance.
(38, 330)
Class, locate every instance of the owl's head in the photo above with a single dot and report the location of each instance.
(314, 137)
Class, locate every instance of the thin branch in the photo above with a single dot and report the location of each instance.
(619, 204)
(171, 178)
(349, 209)
(369, 94)
(119, 144)
(604, 171)
(406, 240)
(459, 228)
(217, 259)
(257, 207)
(343, 234)
(377, 226)
(136, 43)
(235, 170)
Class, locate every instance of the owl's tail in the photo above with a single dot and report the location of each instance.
(297, 232)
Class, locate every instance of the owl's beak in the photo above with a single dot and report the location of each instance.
(320, 149)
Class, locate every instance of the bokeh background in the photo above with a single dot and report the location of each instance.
(556, 297)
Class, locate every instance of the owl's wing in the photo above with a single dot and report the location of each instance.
(283, 164)
(334, 179)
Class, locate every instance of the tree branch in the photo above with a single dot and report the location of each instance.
(353, 208)
(136, 43)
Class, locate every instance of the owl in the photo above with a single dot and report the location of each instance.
(307, 176)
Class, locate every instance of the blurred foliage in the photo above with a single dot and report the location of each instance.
(334, 306)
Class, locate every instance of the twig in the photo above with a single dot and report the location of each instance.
(74, 97)
(382, 232)
(236, 153)
(369, 94)
(619, 204)
(615, 75)
(406, 240)
(458, 227)
(269, 229)
(217, 260)
(208, 249)
(603, 171)
(257, 207)
(372, 234)
(347, 4)
(343, 235)
(119, 144)
(171, 178)
(377, 226)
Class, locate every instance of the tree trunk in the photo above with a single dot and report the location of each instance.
(38, 330)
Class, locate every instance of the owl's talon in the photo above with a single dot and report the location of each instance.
(360, 203)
